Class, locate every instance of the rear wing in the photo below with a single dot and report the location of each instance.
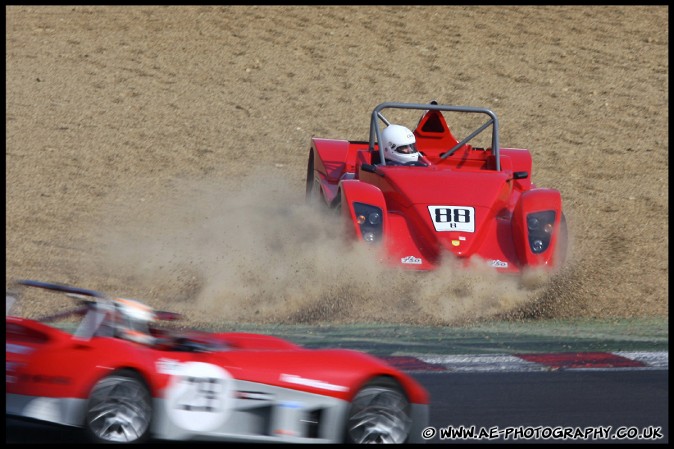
(12, 296)
(63, 288)
(98, 305)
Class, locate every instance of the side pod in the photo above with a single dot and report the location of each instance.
(536, 226)
(364, 207)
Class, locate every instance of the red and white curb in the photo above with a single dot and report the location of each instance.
(532, 362)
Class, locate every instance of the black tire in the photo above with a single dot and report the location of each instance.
(379, 413)
(314, 196)
(310, 194)
(119, 409)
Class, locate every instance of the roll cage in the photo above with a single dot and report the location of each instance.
(375, 131)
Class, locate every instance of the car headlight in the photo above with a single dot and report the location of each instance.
(539, 228)
(369, 218)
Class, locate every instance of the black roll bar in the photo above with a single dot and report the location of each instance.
(375, 132)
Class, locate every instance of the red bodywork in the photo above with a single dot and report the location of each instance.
(461, 204)
(48, 362)
(189, 384)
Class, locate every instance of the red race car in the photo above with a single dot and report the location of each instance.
(106, 366)
(421, 194)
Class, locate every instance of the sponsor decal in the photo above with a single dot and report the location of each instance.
(455, 243)
(168, 366)
(294, 379)
(498, 263)
(254, 395)
(411, 260)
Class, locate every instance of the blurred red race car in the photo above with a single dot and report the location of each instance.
(422, 194)
(104, 365)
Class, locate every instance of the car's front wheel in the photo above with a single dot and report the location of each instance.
(119, 409)
(380, 413)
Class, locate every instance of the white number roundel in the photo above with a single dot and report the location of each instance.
(199, 396)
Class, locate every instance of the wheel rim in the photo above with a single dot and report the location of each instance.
(379, 415)
(119, 409)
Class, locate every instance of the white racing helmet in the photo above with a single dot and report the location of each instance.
(133, 320)
(399, 144)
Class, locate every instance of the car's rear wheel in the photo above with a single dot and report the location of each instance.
(119, 409)
(311, 188)
(379, 413)
(315, 196)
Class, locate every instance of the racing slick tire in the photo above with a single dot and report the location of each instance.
(313, 193)
(119, 409)
(379, 413)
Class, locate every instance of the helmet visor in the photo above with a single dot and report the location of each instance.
(406, 149)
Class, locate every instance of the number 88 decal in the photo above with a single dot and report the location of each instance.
(453, 218)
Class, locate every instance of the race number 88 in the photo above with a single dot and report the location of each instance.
(453, 218)
(445, 215)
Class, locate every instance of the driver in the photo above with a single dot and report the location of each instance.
(400, 146)
(133, 320)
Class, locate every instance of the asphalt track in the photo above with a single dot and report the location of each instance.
(570, 406)
(560, 382)
(549, 407)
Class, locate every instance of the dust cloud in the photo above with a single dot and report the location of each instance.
(258, 253)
